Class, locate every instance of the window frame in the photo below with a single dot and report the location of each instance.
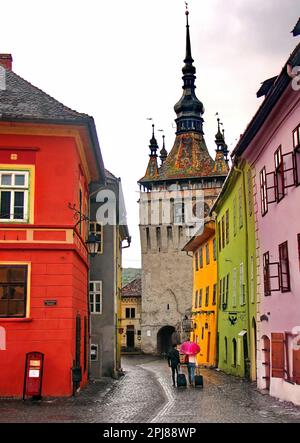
(94, 293)
(214, 300)
(207, 296)
(242, 285)
(13, 189)
(263, 191)
(296, 145)
(284, 257)
(201, 258)
(214, 249)
(26, 287)
(98, 234)
(227, 226)
(279, 174)
(207, 254)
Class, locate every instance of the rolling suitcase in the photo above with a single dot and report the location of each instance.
(181, 380)
(198, 378)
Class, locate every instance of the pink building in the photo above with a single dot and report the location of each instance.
(271, 144)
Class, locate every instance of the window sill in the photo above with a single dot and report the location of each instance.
(15, 320)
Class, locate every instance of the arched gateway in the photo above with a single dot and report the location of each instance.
(164, 339)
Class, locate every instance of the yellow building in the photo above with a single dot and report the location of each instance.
(131, 316)
(204, 305)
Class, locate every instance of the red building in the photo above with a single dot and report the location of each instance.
(49, 154)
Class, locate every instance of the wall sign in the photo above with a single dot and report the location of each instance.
(50, 302)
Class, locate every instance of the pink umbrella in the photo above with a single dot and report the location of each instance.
(189, 348)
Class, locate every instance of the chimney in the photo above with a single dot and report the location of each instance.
(6, 61)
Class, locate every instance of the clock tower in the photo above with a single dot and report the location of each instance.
(184, 173)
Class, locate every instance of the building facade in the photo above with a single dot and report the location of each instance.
(271, 145)
(105, 282)
(167, 272)
(204, 308)
(131, 307)
(235, 224)
(43, 255)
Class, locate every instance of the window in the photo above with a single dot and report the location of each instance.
(296, 143)
(250, 192)
(227, 290)
(234, 217)
(240, 208)
(252, 279)
(263, 191)
(148, 238)
(227, 226)
(207, 254)
(96, 297)
(197, 261)
(196, 300)
(97, 230)
(223, 232)
(234, 353)
(234, 288)
(14, 190)
(94, 352)
(201, 257)
(214, 300)
(215, 249)
(170, 234)
(158, 238)
(279, 174)
(220, 292)
(266, 268)
(226, 350)
(220, 236)
(242, 285)
(285, 283)
(130, 312)
(200, 298)
(296, 137)
(207, 296)
(13, 291)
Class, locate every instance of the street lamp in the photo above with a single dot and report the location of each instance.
(92, 245)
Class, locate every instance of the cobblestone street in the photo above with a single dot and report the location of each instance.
(145, 394)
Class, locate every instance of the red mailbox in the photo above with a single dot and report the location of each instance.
(33, 375)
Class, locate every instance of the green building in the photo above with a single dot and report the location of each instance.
(235, 222)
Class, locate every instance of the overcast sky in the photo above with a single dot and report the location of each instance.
(120, 61)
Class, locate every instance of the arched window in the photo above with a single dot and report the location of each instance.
(226, 350)
(234, 348)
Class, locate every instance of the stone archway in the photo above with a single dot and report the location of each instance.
(164, 339)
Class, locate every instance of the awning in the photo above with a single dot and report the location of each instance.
(242, 333)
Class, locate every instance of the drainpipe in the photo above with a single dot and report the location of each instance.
(247, 268)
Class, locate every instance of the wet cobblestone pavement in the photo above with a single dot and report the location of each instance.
(145, 394)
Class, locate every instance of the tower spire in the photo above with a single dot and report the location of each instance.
(163, 153)
(189, 109)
